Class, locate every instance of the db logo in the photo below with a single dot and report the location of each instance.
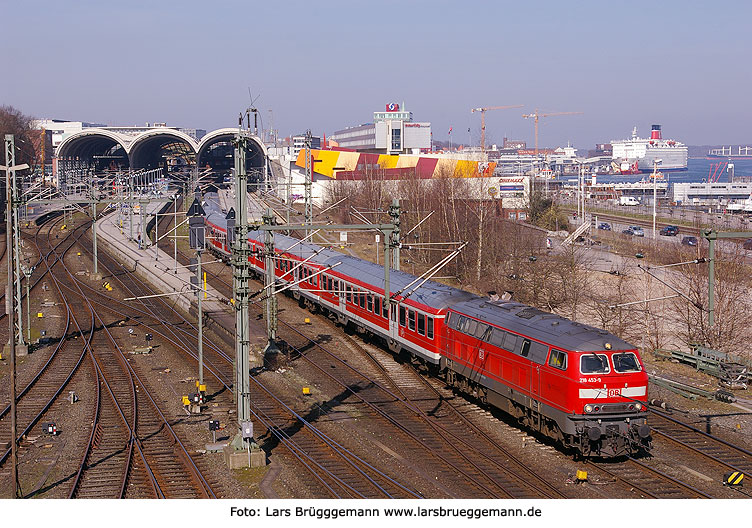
(614, 392)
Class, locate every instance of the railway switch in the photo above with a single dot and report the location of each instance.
(733, 478)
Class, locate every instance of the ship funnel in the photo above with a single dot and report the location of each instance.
(655, 132)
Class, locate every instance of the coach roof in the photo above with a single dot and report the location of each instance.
(433, 294)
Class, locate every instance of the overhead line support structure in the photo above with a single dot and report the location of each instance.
(241, 292)
(711, 236)
(10, 301)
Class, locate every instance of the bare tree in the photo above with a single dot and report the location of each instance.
(13, 121)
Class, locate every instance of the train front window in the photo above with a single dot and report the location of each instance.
(626, 362)
(594, 364)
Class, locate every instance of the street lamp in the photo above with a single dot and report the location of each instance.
(655, 190)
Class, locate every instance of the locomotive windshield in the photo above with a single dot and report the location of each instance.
(594, 364)
(626, 362)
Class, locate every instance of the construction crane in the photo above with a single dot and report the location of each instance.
(483, 120)
(536, 116)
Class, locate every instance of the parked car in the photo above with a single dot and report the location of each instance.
(628, 231)
(637, 231)
(669, 230)
(689, 241)
(747, 244)
(605, 226)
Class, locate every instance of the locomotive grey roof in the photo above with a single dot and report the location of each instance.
(544, 326)
(433, 294)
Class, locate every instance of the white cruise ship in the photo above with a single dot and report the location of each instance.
(673, 155)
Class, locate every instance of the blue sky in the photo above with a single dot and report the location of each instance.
(330, 64)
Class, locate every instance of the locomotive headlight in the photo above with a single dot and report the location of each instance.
(638, 406)
(588, 408)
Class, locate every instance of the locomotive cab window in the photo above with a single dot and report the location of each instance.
(594, 364)
(525, 348)
(626, 362)
(558, 359)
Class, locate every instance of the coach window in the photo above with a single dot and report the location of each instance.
(402, 315)
(411, 319)
(558, 359)
(384, 309)
(362, 296)
(421, 324)
(369, 301)
(377, 305)
(430, 327)
(349, 294)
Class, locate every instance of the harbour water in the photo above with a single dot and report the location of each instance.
(698, 170)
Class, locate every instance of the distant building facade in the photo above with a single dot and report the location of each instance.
(298, 143)
(393, 131)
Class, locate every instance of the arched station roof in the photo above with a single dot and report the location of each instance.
(145, 150)
(90, 141)
(254, 159)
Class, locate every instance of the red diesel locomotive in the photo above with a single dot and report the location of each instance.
(579, 385)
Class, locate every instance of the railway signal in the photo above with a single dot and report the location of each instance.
(197, 240)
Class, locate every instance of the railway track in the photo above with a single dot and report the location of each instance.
(649, 482)
(424, 416)
(460, 446)
(723, 455)
(338, 471)
(46, 385)
(126, 418)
